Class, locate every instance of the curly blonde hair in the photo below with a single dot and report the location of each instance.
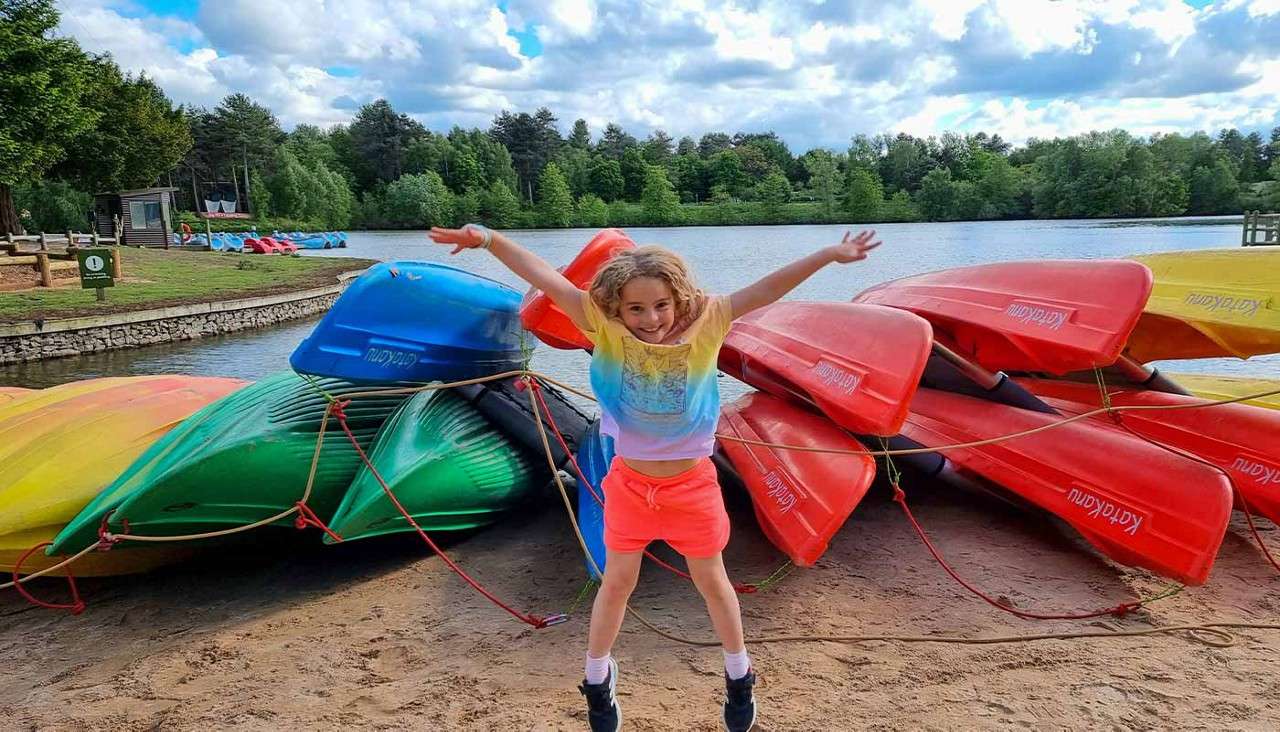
(647, 261)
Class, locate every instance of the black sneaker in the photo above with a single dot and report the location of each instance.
(603, 712)
(739, 703)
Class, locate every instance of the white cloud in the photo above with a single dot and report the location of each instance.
(814, 72)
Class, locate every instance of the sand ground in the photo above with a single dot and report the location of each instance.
(378, 635)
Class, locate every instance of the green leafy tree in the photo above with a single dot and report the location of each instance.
(773, 192)
(575, 165)
(939, 196)
(243, 133)
(689, 176)
(467, 206)
(658, 148)
(42, 105)
(289, 186)
(52, 205)
(592, 211)
(824, 179)
(379, 138)
(138, 137)
(615, 142)
(634, 169)
(713, 143)
(555, 204)
(724, 171)
(686, 146)
(418, 202)
(658, 200)
(1214, 189)
(532, 140)
(260, 195)
(499, 207)
(581, 135)
(606, 178)
(863, 193)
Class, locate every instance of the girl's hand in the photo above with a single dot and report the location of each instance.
(468, 237)
(854, 249)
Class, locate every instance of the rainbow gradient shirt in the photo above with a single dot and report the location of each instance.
(658, 402)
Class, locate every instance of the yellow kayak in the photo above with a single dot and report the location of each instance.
(9, 393)
(1230, 387)
(1210, 303)
(60, 446)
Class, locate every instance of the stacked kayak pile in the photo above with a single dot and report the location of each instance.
(194, 459)
(948, 365)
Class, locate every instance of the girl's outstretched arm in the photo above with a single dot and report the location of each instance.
(775, 285)
(525, 264)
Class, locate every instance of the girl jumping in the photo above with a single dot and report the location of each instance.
(653, 370)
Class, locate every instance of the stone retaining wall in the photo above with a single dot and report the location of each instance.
(35, 340)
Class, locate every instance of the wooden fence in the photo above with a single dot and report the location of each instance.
(1260, 229)
(38, 249)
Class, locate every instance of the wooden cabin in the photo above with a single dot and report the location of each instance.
(145, 214)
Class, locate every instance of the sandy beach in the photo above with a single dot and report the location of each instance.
(380, 635)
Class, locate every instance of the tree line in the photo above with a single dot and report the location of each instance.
(80, 125)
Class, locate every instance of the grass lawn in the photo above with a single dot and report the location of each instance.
(159, 278)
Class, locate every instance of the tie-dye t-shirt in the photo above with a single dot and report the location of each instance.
(658, 402)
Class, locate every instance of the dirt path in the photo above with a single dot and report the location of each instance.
(375, 636)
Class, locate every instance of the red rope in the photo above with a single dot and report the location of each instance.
(307, 517)
(536, 621)
(741, 588)
(900, 497)
(76, 606)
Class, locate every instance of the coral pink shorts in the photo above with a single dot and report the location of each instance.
(685, 510)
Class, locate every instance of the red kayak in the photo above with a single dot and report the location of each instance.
(801, 498)
(548, 322)
(1136, 502)
(858, 364)
(1052, 316)
(1240, 439)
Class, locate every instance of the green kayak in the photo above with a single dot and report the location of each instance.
(445, 463)
(239, 460)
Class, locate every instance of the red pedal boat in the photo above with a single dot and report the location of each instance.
(801, 498)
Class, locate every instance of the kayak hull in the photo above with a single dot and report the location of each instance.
(1136, 502)
(801, 499)
(545, 319)
(1027, 316)
(416, 322)
(1242, 440)
(858, 364)
(444, 462)
(505, 404)
(1209, 304)
(239, 460)
(594, 457)
(1230, 387)
(55, 459)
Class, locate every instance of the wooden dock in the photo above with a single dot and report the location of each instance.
(1260, 229)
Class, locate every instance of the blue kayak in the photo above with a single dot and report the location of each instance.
(594, 457)
(417, 322)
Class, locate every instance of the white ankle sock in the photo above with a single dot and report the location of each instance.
(598, 668)
(736, 665)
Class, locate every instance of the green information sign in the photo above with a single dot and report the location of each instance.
(95, 268)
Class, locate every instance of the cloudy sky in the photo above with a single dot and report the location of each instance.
(816, 72)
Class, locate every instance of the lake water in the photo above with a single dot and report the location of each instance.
(723, 258)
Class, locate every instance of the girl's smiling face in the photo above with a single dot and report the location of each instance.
(648, 308)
